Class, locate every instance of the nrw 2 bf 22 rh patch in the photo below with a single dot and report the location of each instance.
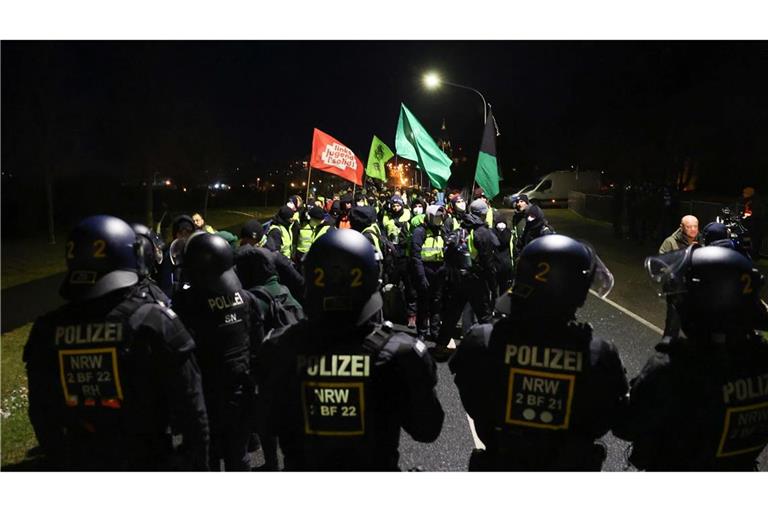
(539, 399)
(90, 377)
(334, 408)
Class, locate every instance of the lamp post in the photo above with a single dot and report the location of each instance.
(432, 81)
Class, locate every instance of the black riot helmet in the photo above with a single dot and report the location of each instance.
(341, 273)
(207, 264)
(712, 288)
(554, 274)
(102, 256)
(151, 249)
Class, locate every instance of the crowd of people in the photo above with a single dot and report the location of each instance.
(316, 334)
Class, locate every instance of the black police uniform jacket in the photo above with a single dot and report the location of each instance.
(540, 392)
(700, 405)
(106, 379)
(337, 399)
(226, 328)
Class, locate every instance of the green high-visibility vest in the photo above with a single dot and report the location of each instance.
(374, 230)
(432, 249)
(305, 239)
(286, 239)
(323, 230)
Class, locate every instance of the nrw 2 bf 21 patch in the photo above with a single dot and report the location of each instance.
(539, 399)
(334, 408)
(745, 429)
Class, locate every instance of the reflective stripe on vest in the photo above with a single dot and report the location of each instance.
(286, 239)
(471, 245)
(305, 239)
(374, 230)
(324, 229)
(432, 249)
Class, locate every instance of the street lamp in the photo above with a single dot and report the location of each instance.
(433, 81)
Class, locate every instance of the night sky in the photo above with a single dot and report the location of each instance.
(631, 108)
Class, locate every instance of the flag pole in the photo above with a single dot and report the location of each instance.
(474, 176)
(309, 182)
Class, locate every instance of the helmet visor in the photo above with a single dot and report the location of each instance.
(669, 270)
(176, 251)
(602, 280)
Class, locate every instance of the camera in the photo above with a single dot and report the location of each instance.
(732, 217)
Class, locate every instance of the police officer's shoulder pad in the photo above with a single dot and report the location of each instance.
(165, 323)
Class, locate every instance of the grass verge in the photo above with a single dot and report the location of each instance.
(16, 434)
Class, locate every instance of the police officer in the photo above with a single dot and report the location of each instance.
(151, 255)
(338, 387)
(700, 402)
(112, 371)
(427, 271)
(539, 386)
(170, 268)
(220, 315)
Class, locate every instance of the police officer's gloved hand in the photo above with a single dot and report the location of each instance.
(424, 284)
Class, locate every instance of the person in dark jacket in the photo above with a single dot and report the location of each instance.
(701, 401)
(338, 387)
(113, 372)
(470, 275)
(252, 233)
(536, 224)
(223, 318)
(504, 264)
(539, 385)
(276, 307)
(363, 220)
(753, 218)
(427, 271)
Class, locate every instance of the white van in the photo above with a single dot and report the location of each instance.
(553, 188)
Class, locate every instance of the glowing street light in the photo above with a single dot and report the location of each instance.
(432, 80)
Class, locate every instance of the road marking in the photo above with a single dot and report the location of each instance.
(241, 213)
(478, 443)
(628, 312)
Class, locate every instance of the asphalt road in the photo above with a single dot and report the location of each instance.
(634, 339)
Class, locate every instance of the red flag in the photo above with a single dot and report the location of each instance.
(332, 156)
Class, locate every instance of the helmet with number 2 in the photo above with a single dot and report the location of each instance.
(102, 256)
(342, 278)
(712, 288)
(555, 273)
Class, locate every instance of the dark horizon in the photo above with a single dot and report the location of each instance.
(630, 108)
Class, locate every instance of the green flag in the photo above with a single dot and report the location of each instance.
(378, 156)
(487, 171)
(414, 143)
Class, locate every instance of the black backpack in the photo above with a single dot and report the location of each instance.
(280, 313)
